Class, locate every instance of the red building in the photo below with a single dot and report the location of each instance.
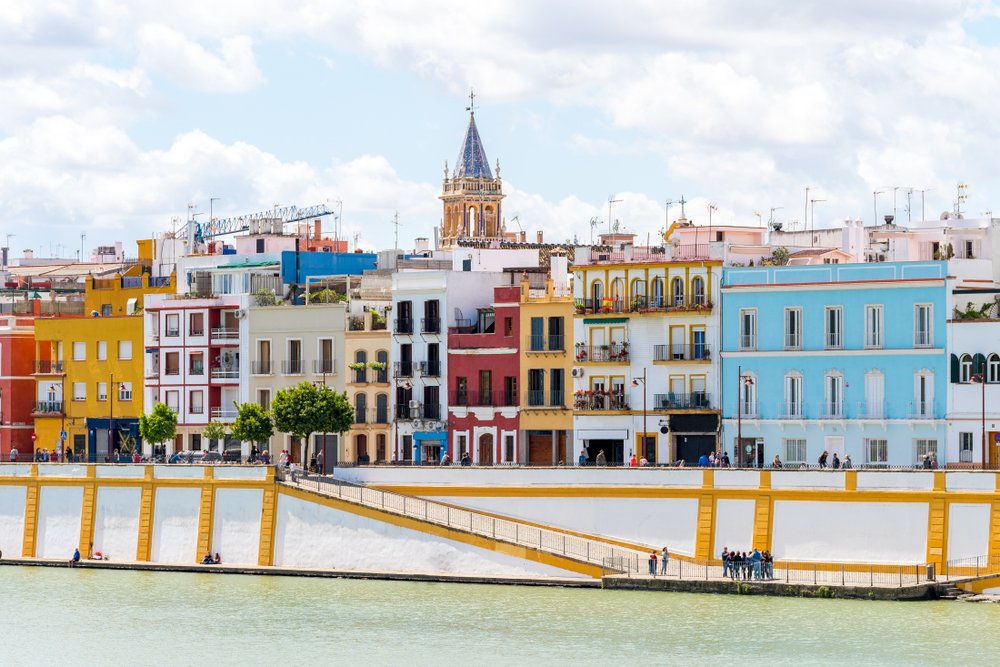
(17, 386)
(483, 367)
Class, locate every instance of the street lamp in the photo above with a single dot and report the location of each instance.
(744, 380)
(635, 383)
(111, 422)
(980, 378)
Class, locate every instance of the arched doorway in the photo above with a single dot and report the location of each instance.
(486, 449)
(361, 447)
(380, 447)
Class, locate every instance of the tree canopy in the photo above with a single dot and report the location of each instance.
(253, 423)
(158, 426)
(306, 409)
(214, 430)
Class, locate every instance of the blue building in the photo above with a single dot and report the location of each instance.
(843, 358)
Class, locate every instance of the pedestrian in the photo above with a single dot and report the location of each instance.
(725, 561)
(582, 461)
(136, 455)
(776, 463)
(847, 461)
(115, 456)
(207, 560)
(601, 459)
(725, 459)
(703, 461)
(76, 557)
(711, 460)
(652, 564)
(755, 558)
(13, 454)
(45, 455)
(926, 462)
(822, 459)
(666, 559)
(466, 459)
(643, 463)
(312, 462)
(319, 463)
(446, 458)
(69, 455)
(283, 458)
(836, 461)
(632, 462)
(934, 463)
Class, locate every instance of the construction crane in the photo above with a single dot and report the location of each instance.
(241, 223)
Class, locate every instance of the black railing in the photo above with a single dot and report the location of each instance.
(430, 411)
(403, 369)
(614, 353)
(360, 376)
(432, 368)
(402, 326)
(48, 367)
(483, 399)
(368, 415)
(534, 398)
(264, 367)
(292, 367)
(698, 400)
(553, 343)
(430, 325)
(325, 366)
(682, 352)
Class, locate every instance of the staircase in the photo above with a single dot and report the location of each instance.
(949, 592)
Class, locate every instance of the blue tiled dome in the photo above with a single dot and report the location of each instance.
(472, 162)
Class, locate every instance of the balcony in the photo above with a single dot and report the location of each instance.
(402, 369)
(403, 326)
(682, 352)
(378, 416)
(264, 367)
(922, 410)
(225, 373)
(47, 407)
(360, 375)
(536, 399)
(873, 340)
(831, 410)
(402, 411)
(173, 333)
(591, 400)
(325, 366)
(616, 353)
(430, 411)
(378, 325)
(746, 410)
(833, 341)
(791, 410)
(225, 336)
(555, 343)
(430, 325)
(483, 399)
(48, 368)
(873, 410)
(793, 341)
(292, 367)
(225, 415)
(431, 368)
(748, 342)
(923, 339)
(698, 400)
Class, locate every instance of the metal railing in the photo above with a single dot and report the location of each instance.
(485, 399)
(225, 414)
(402, 326)
(292, 367)
(923, 338)
(360, 376)
(746, 410)
(790, 410)
(552, 343)
(590, 551)
(325, 366)
(536, 398)
(873, 410)
(682, 352)
(793, 341)
(374, 415)
(831, 410)
(430, 411)
(264, 367)
(873, 340)
(921, 410)
(431, 368)
(402, 369)
(833, 340)
(977, 566)
(748, 342)
(46, 367)
(698, 400)
(223, 333)
(225, 373)
(614, 353)
(612, 400)
(47, 407)
(430, 325)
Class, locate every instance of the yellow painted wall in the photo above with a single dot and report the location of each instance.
(118, 297)
(547, 306)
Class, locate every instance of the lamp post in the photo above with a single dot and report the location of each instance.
(980, 378)
(744, 380)
(635, 383)
(111, 414)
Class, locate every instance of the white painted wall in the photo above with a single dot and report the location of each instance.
(650, 521)
(312, 535)
(968, 530)
(121, 470)
(175, 471)
(501, 476)
(236, 526)
(12, 501)
(175, 525)
(734, 525)
(59, 510)
(889, 480)
(116, 522)
(807, 479)
(61, 470)
(15, 470)
(850, 532)
(971, 481)
(240, 472)
(736, 478)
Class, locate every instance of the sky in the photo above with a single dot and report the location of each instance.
(117, 116)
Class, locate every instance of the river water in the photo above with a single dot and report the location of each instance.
(121, 618)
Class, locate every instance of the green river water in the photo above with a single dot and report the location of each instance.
(121, 618)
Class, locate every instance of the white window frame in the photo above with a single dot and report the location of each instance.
(102, 391)
(833, 340)
(923, 338)
(993, 368)
(124, 350)
(748, 339)
(965, 369)
(966, 446)
(874, 335)
(79, 350)
(675, 298)
(79, 391)
(177, 325)
(793, 320)
(748, 395)
(793, 407)
(879, 447)
(834, 405)
(874, 406)
(923, 446)
(125, 391)
(102, 350)
(794, 450)
(201, 401)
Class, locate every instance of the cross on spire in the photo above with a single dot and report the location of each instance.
(472, 102)
(682, 202)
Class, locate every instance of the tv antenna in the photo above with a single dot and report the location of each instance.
(770, 222)
(923, 212)
(611, 201)
(961, 197)
(760, 218)
(395, 221)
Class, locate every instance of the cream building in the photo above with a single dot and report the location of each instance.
(368, 372)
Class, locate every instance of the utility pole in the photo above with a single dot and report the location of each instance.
(812, 237)
(395, 221)
(805, 212)
(666, 224)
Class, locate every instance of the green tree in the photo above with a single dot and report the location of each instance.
(214, 431)
(158, 426)
(253, 423)
(306, 409)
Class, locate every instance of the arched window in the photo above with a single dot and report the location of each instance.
(698, 291)
(597, 294)
(639, 294)
(965, 368)
(382, 375)
(361, 445)
(617, 294)
(360, 409)
(361, 372)
(656, 294)
(677, 292)
(993, 368)
(382, 409)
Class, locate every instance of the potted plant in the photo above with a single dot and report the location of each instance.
(357, 365)
(579, 305)
(377, 365)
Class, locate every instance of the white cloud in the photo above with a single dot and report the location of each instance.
(188, 64)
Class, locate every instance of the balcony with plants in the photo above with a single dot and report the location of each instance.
(615, 353)
(600, 400)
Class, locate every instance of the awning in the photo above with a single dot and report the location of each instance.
(432, 435)
(603, 434)
(605, 320)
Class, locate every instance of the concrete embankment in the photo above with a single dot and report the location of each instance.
(496, 579)
(929, 591)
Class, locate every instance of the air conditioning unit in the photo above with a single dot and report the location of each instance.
(241, 313)
(577, 373)
(418, 425)
(414, 405)
(420, 367)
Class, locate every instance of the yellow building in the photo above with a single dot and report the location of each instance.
(89, 370)
(369, 386)
(546, 421)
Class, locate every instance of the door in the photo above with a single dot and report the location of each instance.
(691, 447)
(834, 444)
(540, 448)
(992, 447)
(875, 395)
(486, 449)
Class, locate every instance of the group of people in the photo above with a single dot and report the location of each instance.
(664, 561)
(745, 566)
(209, 560)
(826, 462)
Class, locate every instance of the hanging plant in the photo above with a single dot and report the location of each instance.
(357, 365)
(377, 365)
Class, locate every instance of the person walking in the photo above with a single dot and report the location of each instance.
(320, 468)
(703, 461)
(446, 458)
(601, 459)
(13, 454)
(847, 462)
(664, 561)
(725, 459)
(633, 462)
(822, 459)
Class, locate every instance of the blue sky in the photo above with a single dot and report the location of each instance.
(118, 115)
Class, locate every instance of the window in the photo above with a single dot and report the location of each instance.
(923, 395)
(993, 366)
(698, 291)
(793, 397)
(748, 395)
(79, 391)
(382, 409)
(382, 375)
(485, 386)
(125, 391)
(597, 294)
(102, 391)
(196, 363)
(124, 350)
(874, 405)
(555, 333)
(748, 328)
(923, 335)
(325, 356)
(173, 326)
(102, 350)
(874, 331)
(260, 246)
(876, 450)
(925, 447)
(79, 351)
(197, 403)
(965, 369)
(556, 385)
(834, 396)
(510, 390)
(833, 328)
(537, 341)
(293, 366)
(677, 292)
(173, 400)
(360, 408)
(965, 447)
(536, 387)
(173, 363)
(264, 398)
(196, 442)
(795, 450)
(263, 358)
(831, 260)
(197, 324)
(508, 448)
(508, 326)
(793, 328)
(106, 310)
(618, 293)
(656, 294)
(719, 236)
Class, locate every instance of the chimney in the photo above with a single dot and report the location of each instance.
(540, 237)
(29, 254)
(524, 237)
(319, 229)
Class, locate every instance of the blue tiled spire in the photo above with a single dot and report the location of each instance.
(472, 162)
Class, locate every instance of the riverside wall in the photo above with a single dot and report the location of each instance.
(845, 516)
